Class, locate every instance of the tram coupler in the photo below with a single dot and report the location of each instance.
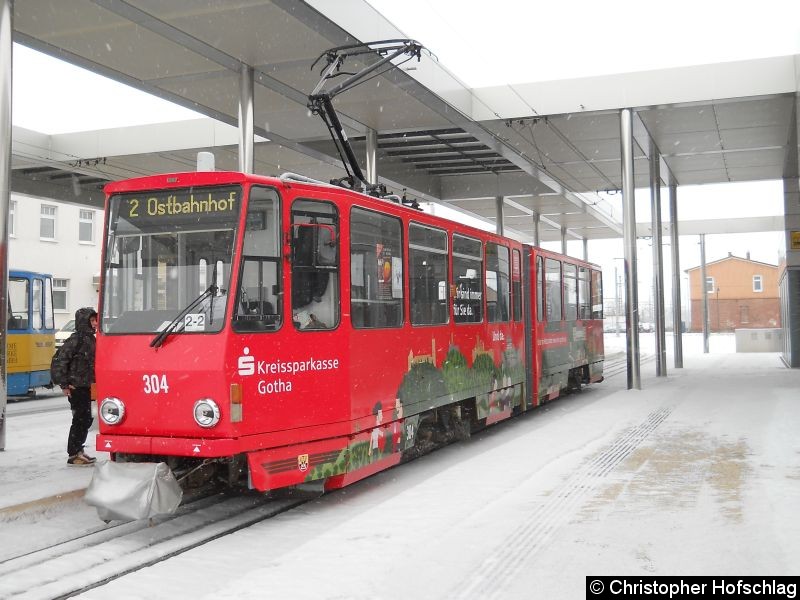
(123, 491)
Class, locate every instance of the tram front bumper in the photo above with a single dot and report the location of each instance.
(168, 446)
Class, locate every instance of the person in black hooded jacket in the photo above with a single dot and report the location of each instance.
(74, 373)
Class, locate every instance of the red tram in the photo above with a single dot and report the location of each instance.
(274, 332)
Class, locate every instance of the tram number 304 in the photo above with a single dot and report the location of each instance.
(155, 384)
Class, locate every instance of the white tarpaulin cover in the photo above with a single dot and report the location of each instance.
(130, 491)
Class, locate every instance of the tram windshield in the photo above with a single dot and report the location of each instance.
(164, 250)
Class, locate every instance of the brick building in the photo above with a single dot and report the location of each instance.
(742, 294)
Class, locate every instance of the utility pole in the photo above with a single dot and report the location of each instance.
(704, 290)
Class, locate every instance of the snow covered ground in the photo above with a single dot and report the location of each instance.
(34, 463)
(698, 473)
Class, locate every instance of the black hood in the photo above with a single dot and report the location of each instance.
(82, 316)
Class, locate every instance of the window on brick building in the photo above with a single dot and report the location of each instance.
(758, 283)
(710, 285)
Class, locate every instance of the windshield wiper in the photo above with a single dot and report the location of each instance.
(157, 341)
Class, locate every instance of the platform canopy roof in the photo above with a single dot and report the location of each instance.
(547, 148)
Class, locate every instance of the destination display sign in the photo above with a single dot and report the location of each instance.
(180, 202)
(177, 207)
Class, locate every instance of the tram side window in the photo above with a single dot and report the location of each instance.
(570, 292)
(467, 280)
(49, 318)
(259, 295)
(376, 270)
(427, 275)
(584, 298)
(516, 285)
(539, 289)
(18, 303)
(553, 281)
(597, 295)
(315, 265)
(498, 294)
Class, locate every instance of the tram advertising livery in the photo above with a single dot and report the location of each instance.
(274, 332)
(306, 333)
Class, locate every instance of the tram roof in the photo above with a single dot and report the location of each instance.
(547, 148)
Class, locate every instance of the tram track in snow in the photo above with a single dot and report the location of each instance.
(114, 551)
(37, 410)
(620, 365)
(21, 406)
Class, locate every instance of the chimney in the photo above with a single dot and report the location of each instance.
(748, 255)
(730, 254)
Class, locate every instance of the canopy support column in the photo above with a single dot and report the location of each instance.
(372, 156)
(6, 15)
(629, 240)
(246, 160)
(677, 321)
(658, 262)
(499, 206)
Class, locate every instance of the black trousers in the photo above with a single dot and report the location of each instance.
(80, 402)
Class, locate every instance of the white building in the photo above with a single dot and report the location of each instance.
(61, 239)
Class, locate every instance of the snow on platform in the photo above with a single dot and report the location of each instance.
(33, 466)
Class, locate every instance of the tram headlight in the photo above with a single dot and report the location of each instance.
(112, 411)
(206, 412)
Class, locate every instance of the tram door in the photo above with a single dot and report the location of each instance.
(315, 301)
